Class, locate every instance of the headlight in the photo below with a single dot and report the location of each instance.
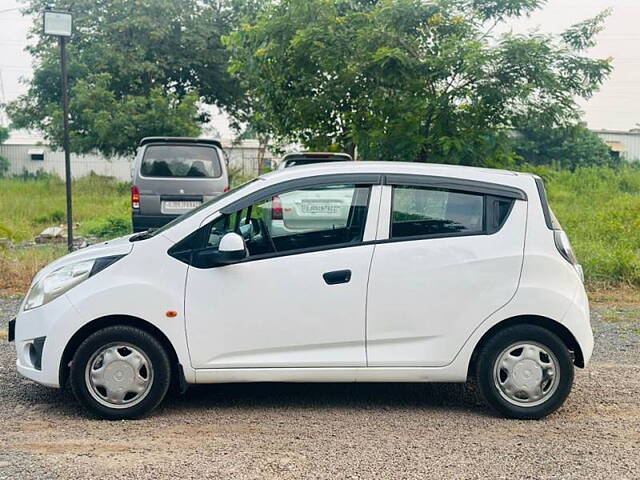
(64, 279)
(57, 283)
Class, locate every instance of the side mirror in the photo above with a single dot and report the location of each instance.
(231, 248)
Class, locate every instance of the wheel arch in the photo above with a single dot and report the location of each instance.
(552, 325)
(108, 321)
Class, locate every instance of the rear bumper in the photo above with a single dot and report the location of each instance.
(143, 222)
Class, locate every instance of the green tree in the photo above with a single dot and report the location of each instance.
(408, 79)
(4, 163)
(136, 68)
(563, 147)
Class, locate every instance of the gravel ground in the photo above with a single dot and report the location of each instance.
(335, 431)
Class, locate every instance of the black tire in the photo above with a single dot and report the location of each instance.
(142, 341)
(502, 340)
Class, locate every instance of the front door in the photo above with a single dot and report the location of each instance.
(298, 299)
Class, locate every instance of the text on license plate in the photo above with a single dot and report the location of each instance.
(180, 205)
(319, 208)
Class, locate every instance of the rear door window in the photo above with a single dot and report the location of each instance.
(180, 161)
(420, 211)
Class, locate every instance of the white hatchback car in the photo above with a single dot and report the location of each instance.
(433, 274)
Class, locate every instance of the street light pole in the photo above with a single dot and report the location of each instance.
(59, 23)
(65, 141)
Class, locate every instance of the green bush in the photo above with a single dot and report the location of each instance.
(109, 227)
(4, 166)
(56, 216)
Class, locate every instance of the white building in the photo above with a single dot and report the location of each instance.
(625, 144)
(28, 153)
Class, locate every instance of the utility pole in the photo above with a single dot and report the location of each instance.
(59, 23)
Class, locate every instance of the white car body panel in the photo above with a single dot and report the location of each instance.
(319, 332)
(442, 288)
(294, 317)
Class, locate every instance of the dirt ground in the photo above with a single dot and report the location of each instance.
(335, 431)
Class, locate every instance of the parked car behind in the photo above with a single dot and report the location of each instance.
(172, 175)
(315, 209)
(297, 159)
(427, 273)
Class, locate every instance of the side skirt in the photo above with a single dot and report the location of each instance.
(337, 374)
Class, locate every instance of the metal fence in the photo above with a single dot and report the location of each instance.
(30, 158)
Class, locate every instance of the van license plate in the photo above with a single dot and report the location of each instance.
(180, 205)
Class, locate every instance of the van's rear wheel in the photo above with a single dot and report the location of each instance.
(120, 372)
(524, 372)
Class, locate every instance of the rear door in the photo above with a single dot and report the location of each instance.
(446, 259)
(175, 178)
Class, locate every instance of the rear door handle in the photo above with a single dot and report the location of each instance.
(338, 276)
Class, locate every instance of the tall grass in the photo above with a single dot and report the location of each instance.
(598, 207)
(27, 206)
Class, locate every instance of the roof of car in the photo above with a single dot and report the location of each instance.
(457, 171)
(208, 141)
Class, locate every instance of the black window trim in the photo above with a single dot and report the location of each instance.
(369, 179)
(456, 184)
(542, 192)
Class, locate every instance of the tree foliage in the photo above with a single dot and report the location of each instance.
(567, 147)
(136, 68)
(408, 79)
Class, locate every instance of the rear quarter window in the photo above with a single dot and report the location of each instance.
(180, 161)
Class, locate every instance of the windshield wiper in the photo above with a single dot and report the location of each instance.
(143, 235)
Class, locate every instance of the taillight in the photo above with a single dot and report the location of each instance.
(225, 189)
(135, 197)
(564, 247)
(276, 208)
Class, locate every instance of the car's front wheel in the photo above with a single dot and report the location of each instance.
(120, 372)
(524, 372)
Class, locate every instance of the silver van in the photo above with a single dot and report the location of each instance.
(172, 175)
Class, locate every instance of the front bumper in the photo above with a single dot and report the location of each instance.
(40, 339)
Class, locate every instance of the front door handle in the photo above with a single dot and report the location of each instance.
(338, 276)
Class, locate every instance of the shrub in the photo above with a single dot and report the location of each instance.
(109, 227)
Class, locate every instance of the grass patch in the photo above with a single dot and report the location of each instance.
(600, 210)
(17, 267)
(31, 204)
(110, 227)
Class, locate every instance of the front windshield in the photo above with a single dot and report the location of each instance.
(185, 216)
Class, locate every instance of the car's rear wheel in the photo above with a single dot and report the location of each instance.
(120, 372)
(524, 372)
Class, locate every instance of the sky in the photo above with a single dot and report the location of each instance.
(615, 107)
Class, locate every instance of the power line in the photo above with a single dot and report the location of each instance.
(10, 9)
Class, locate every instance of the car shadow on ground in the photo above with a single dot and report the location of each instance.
(281, 396)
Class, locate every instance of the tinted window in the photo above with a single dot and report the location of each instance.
(181, 161)
(299, 219)
(431, 211)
